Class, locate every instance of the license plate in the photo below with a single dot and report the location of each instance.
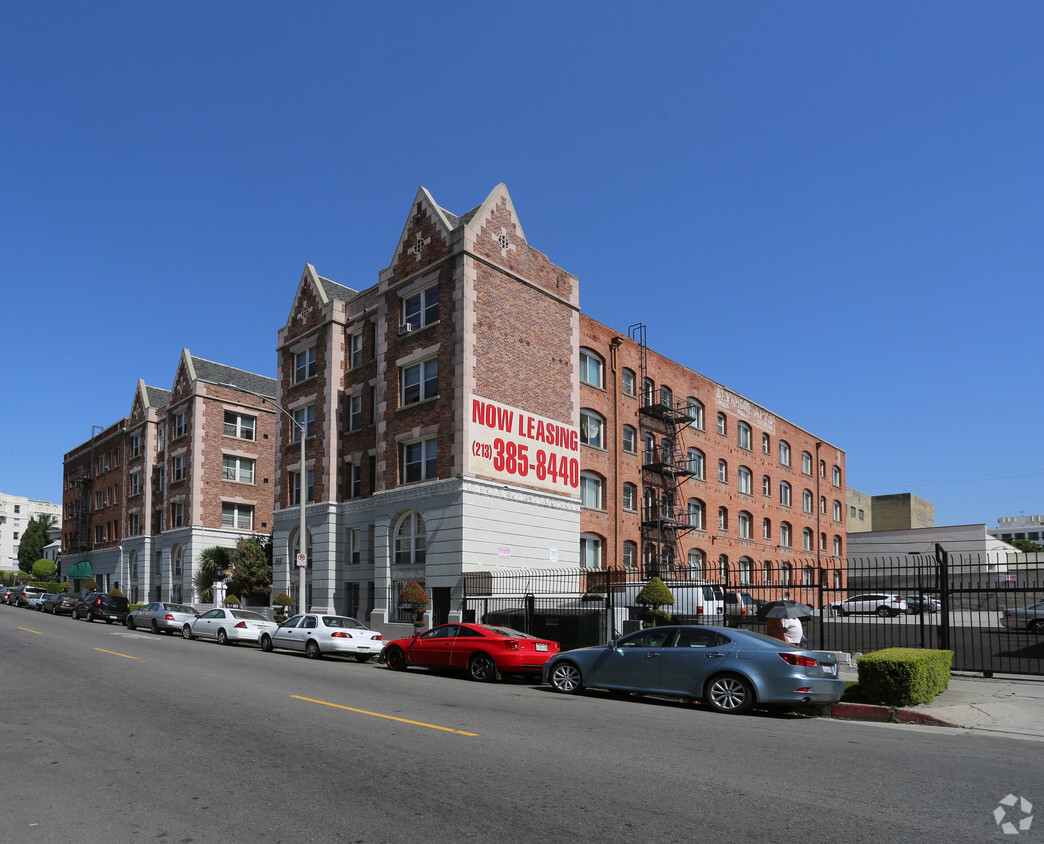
(113, 617)
(541, 646)
(830, 670)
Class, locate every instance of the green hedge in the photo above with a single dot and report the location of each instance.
(904, 676)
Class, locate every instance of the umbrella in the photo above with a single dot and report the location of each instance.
(785, 609)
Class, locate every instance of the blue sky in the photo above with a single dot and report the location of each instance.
(830, 208)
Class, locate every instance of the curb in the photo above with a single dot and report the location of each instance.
(886, 714)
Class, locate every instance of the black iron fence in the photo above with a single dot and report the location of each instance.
(989, 611)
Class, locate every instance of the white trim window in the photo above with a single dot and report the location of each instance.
(180, 424)
(355, 412)
(304, 364)
(785, 571)
(592, 368)
(694, 409)
(806, 540)
(590, 551)
(696, 514)
(240, 426)
(592, 427)
(295, 487)
(421, 308)
(837, 511)
(723, 471)
(723, 424)
(303, 416)
(238, 469)
(420, 381)
(836, 477)
(590, 491)
(237, 516)
(766, 528)
(746, 564)
(177, 514)
(354, 480)
(784, 534)
(746, 480)
(784, 493)
(136, 445)
(630, 439)
(410, 540)
(745, 523)
(766, 443)
(355, 350)
(135, 483)
(806, 463)
(354, 546)
(696, 562)
(177, 468)
(766, 486)
(630, 554)
(806, 500)
(784, 452)
(744, 436)
(627, 382)
(630, 497)
(697, 463)
(419, 461)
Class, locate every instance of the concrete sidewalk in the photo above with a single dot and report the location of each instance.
(1011, 705)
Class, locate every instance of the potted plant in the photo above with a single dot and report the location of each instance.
(654, 595)
(414, 599)
(282, 602)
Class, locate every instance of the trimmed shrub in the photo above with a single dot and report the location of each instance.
(904, 676)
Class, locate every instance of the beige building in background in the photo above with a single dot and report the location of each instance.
(900, 511)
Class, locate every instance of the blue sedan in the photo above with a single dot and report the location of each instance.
(729, 670)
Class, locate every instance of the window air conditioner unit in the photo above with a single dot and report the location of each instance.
(405, 328)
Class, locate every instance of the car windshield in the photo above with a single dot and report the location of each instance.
(342, 621)
(247, 615)
(506, 632)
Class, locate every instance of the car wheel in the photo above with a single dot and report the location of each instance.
(222, 637)
(1036, 626)
(841, 613)
(883, 612)
(482, 668)
(186, 632)
(565, 677)
(130, 623)
(53, 610)
(396, 659)
(155, 626)
(266, 644)
(312, 649)
(729, 693)
(108, 621)
(363, 657)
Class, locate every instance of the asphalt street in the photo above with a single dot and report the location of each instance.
(126, 736)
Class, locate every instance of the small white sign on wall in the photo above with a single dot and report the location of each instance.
(552, 555)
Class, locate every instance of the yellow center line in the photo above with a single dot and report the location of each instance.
(389, 717)
(27, 630)
(138, 658)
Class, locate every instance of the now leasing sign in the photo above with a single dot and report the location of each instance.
(511, 445)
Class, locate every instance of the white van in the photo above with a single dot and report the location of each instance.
(695, 601)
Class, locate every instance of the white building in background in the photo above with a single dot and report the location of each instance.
(1030, 528)
(16, 512)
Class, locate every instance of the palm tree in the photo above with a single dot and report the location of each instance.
(213, 563)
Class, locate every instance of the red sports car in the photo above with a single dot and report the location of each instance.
(484, 651)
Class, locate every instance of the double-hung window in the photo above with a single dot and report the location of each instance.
(420, 381)
(419, 461)
(239, 469)
(180, 424)
(355, 350)
(295, 487)
(590, 491)
(355, 412)
(239, 426)
(591, 429)
(304, 364)
(237, 516)
(303, 417)
(421, 308)
(177, 468)
(592, 368)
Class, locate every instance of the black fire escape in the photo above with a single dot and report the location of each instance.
(82, 482)
(665, 468)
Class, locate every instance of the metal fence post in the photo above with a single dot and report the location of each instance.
(942, 561)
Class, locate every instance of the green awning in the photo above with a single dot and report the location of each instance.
(81, 571)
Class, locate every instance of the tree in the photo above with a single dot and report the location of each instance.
(44, 569)
(31, 545)
(655, 594)
(1026, 546)
(252, 566)
(213, 563)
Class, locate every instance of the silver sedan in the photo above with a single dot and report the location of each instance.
(228, 626)
(1024, 618)
(160, 617)
(316, 635)
(728, 670)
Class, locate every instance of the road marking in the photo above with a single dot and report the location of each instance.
(27, 630)
(138, 658)
(389, 717)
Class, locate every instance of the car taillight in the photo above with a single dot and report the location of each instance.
(511, 644)
(168, 617)
(97, 602)
(1009, 615)
(798, 659)
(377, 637)
(341, 634)
(241, 626)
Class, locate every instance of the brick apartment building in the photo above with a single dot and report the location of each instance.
(463, 415)
(189, 468)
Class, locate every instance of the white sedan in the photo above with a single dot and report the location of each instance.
(228, 626)
(316, 635)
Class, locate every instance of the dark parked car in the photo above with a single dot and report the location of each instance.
(102, 606)
(60, 604)
(5, 593)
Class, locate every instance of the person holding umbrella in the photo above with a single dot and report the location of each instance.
(783, 619)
